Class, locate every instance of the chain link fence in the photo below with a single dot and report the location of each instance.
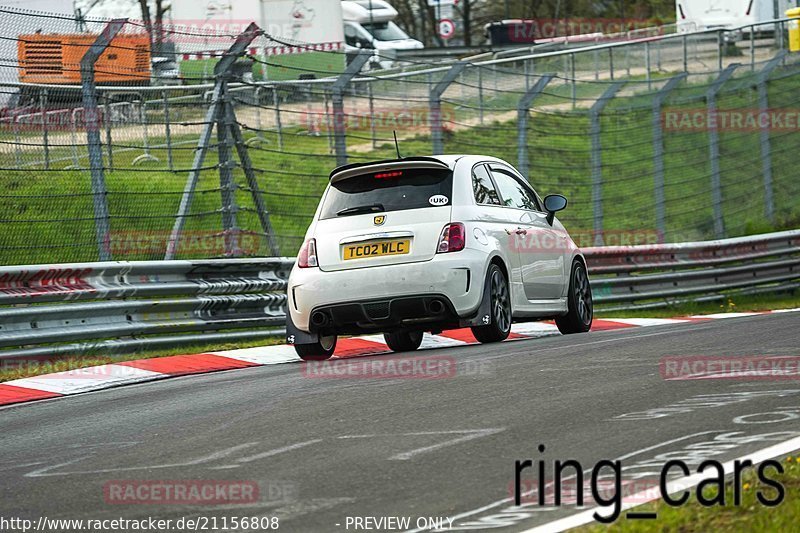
(122, 142)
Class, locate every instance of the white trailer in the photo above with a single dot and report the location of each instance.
(698, 15)
(305, 33)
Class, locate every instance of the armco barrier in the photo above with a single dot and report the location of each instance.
(125, 306)
(657, 275)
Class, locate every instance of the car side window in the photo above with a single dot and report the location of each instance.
(483, 188)
(514, 193)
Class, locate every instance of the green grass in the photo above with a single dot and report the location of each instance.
(729, 304)
(751, 515)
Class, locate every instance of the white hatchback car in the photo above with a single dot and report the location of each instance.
(420, 244)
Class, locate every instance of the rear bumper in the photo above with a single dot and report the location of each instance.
(394, 291)
(385, 314)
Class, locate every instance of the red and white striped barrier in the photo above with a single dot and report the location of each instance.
(269, 51)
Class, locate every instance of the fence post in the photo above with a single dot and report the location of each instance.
(167, 131)
(597, 159)
(337, 102)
(658, 151)
(522, 122)
(107, 122)
(276, 101)
(45, 137)
(480, 95)
(713, 136)
(227, 184)
(91, 112)
(436, 105)
(766, 146)
(214, 115)
(647, 64)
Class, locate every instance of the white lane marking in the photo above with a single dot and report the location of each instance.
(471, 434)
(795, 310)
(567, 478)
(44, 472)
(731, 315)
(265, 355)
(646, 322)
(466, 435)
(535, 329)
(277, 451)
(438, 341)
(86, 379)
(673, 487)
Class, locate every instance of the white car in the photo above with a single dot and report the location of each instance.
(420, 244)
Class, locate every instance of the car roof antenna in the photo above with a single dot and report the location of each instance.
(396, 145)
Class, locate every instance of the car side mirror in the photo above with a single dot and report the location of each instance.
(554, 203)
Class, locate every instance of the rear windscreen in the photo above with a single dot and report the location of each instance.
(394, 190)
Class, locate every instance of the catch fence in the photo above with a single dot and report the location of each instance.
(212, 154)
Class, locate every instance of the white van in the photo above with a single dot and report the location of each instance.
(370, 24)
(698, 15)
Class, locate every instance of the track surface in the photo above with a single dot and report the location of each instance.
(401, 447)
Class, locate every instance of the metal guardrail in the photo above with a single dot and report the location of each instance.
(47, 308)
(664, 274)
(126, 306)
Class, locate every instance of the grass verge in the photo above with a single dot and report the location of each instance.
(751, 515)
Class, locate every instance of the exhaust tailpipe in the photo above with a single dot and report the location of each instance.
(319, 319)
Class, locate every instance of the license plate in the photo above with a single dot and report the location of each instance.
(376, 249)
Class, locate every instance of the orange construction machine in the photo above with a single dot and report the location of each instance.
(55, 59)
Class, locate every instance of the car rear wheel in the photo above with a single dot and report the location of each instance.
(318, 351)
(403, 341)
(581, 308)
(500, 322)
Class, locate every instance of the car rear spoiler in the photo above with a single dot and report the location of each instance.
(359, 169)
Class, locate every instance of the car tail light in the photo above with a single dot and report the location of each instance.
(452, 238)
(308, 254)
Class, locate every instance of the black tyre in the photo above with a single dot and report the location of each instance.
(500, 325)
(403, 341)
(319, 351)
(581, 310)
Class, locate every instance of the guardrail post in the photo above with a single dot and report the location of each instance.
(658, 150)
(337, 101)
(91, 112)
(214, 115)
(766, 146)
(597, 159)
(436, 105)
(713, 136)
(522, 122)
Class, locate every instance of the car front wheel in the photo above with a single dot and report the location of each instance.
(403, 341)
(318, 351)
(581, 310)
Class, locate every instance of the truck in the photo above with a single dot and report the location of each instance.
(698, 15)
(370, 24)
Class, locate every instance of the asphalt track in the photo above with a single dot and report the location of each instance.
(326, 449)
